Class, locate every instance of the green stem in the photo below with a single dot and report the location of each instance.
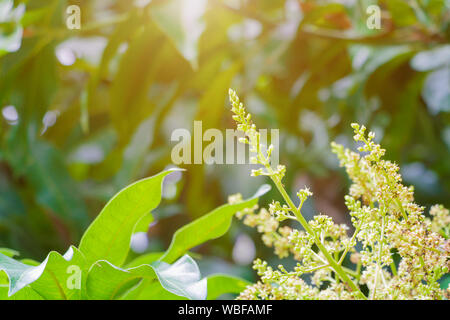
(336, 257)
(399, 204)
(306, 271)
(393, 268)
(336, 267)
(352, 272)
(380, 251)
(351, 241)
(358, 268)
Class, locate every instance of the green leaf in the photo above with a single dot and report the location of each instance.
(106, 281)
(14, 271)
(25, 294)
(150, 290)
(219, 284)
(9, 252)
(145, 259)
(182, 278)
(49, 279)
(135, 151)
(20, 275)
(56, 281)
(210, 226)
(109, 236)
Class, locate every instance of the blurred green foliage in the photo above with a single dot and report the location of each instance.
(86, 112)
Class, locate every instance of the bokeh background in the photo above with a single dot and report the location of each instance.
(86, 112)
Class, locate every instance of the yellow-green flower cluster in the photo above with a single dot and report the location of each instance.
(253, 139)
(441, 220)
(387, 220)
(387, 224)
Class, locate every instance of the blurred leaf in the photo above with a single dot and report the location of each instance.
(211, 105)
(404, 118)
(54, 187)
(445, 282)
(182, 21)
(10, 28)
(402, 13)
(137, 70)
(384, 55)
(436, 90)
(10, 205)
(431, 59)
